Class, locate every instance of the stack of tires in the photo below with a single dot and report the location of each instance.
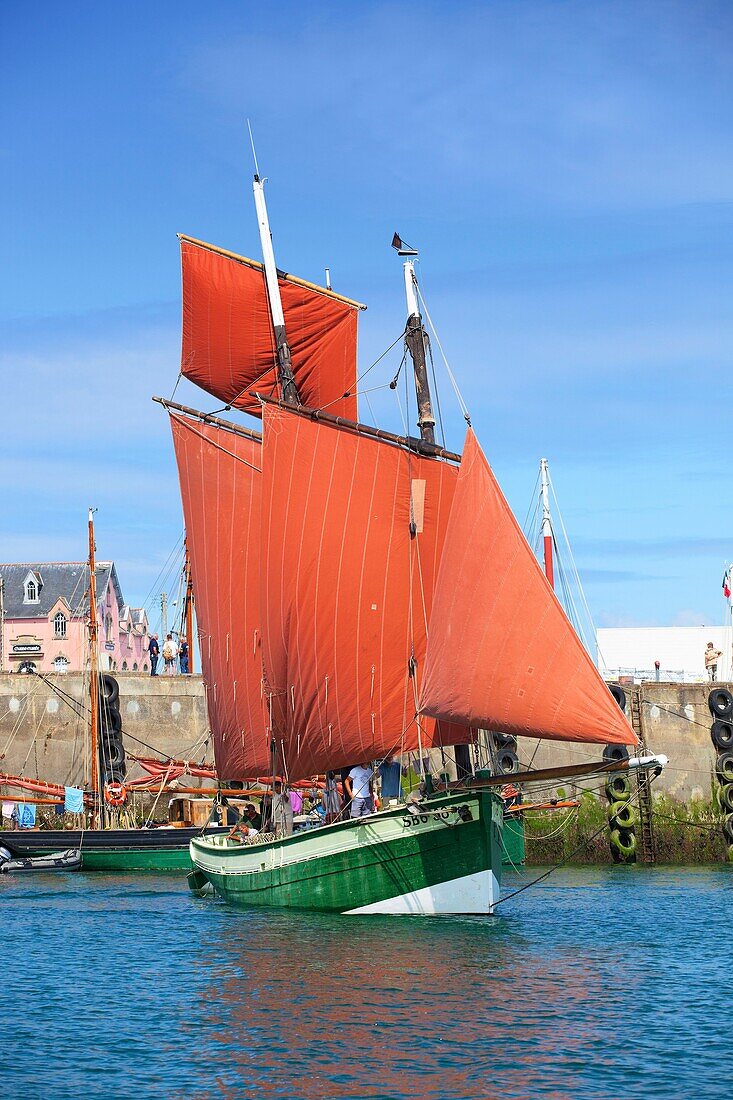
(505, 759)
(720, 702)
(621, 814)
(112, 762)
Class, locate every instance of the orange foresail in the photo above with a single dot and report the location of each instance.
(228, 346)
(502, 654)
(352, 531)
(220, 486)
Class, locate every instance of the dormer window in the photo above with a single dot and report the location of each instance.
(59, 625)
(30, 594)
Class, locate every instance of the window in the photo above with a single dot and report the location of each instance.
(61, 664)
(124, 666)
(134, 666)
(108, 627)
(59, 625)
(145, 667)
(27, 666)
(31, 591)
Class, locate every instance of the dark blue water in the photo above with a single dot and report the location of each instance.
(600, 983)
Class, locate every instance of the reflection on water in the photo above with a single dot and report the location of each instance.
(599, 983)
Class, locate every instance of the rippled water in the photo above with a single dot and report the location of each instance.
(600, 983)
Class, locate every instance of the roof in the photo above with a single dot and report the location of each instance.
(58, 580)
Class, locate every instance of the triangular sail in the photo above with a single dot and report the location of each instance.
(228, 346)
(220, 480)
(352, 530)
(502, 654)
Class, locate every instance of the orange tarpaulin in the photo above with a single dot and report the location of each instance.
(502, 653)
(228, 344)
(220, 487)
(352, 529)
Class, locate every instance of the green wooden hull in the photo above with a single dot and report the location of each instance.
(513, 853)
(157, 859)
(446, 859)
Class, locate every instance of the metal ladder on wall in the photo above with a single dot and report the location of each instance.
(646, 849)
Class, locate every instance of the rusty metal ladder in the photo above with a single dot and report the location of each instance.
(646, 849)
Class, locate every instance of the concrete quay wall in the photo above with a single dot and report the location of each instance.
(40, 735)
(675, 721)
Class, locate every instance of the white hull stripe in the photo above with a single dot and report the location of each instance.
(471, 894)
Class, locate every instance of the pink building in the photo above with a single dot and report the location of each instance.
(44, 612)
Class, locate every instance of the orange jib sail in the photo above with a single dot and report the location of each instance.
(220, 480)
(228, 346)
(502, 654)
(352, 530)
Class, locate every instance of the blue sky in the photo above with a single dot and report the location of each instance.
(565, 168)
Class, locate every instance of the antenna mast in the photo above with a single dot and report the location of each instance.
(188, 604)
(284, 361)
(546, 522)
(416, 339)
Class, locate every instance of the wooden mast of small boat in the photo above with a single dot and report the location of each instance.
(416, 339)
(98, 812)
(188, 604)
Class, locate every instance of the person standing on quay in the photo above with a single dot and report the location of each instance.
(711, 660)
(183, 656)
(154, 651)
(170, 652)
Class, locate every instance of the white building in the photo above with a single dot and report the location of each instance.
(680, 651)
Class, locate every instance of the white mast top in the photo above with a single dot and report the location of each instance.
(545, 483)
(268, 254)
(408, 268)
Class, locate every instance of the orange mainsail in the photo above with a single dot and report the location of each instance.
(352, 531)
(220, 478)
(502, 654)
(228, 346)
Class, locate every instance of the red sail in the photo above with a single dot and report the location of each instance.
(228, 343)
(347, 588)
(220, 480)
(502, 654)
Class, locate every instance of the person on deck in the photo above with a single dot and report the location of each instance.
(330, 798)
(390, 773)
(359, 789)
(183, 656)
(249, 826)
(711, 660)
(282, 811)
(154, 651)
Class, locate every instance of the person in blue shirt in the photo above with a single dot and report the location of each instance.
(183, 656)
(390, 773)
(154, 651)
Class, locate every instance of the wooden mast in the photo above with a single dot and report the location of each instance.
(188, 604)
(416, 339)
(98, 812)
(285, 366)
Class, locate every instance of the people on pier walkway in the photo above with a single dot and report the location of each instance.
(170, 652)
(183, 656)
(154, 651)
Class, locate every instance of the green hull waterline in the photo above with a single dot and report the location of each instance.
(162, 859)
(445, 859)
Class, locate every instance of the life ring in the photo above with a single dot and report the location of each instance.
(623, 842)
(622, 815)
(722, 735)
(618, 788)
(724, 767)
(115, 794)
(720, 702)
